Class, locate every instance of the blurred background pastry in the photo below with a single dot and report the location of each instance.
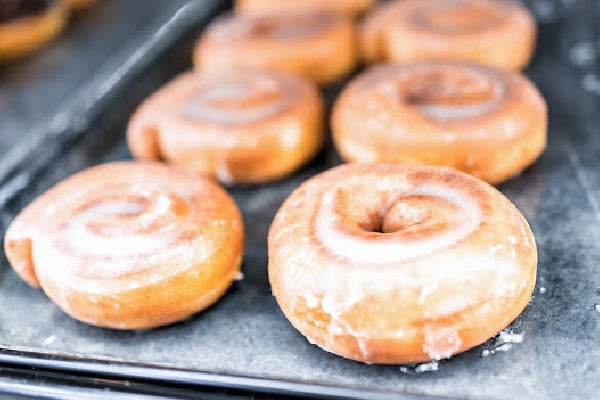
(26, 25)
(320, 46)
(500, 33)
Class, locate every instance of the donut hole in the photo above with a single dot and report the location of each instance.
(411, 216)
(372, 223)
(406, 214)
(399, 217)
(417, 216)
(457, 16)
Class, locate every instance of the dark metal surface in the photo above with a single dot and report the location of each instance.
(56, 95)
(245, 336)
(16, 383)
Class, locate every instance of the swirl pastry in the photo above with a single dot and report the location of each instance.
(317, 45)
(485, 121)
(500, 33)
(239, 126)
(26, 25)
(352, 7)
(129, 245)
(399, 264)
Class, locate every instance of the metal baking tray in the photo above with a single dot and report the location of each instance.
(551, 351)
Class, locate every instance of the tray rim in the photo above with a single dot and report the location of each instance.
(108, 367)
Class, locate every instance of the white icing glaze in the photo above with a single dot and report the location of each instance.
(452, 112)
(84, 240)
(389, 248)
(441, 342)
(224, 173)
(387, 80)
(119, 235)
(204, 106)
(447, 113)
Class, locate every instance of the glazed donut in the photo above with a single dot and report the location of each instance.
(400, 264)
(26, 26)
(352, 7)
(317, 45)
(482, 120)
(239, 126)
(500, 33)
(129, 245)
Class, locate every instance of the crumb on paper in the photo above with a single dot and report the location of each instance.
(420, 368)
(49, 340)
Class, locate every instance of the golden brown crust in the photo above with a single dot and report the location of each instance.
(24, 35)
(239, 126)
(493, 32)
(398, 264)
(129, 245)
(488, 122)
(352, 7)
(317, 45)
(79, 4)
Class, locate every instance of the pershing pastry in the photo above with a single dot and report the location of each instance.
(238, 126)
(129, 245)
(482, 120)
(400, 264)
(318, 45)
(500, 33)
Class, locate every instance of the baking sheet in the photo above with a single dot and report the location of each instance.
(551, 351)
(54, 95)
